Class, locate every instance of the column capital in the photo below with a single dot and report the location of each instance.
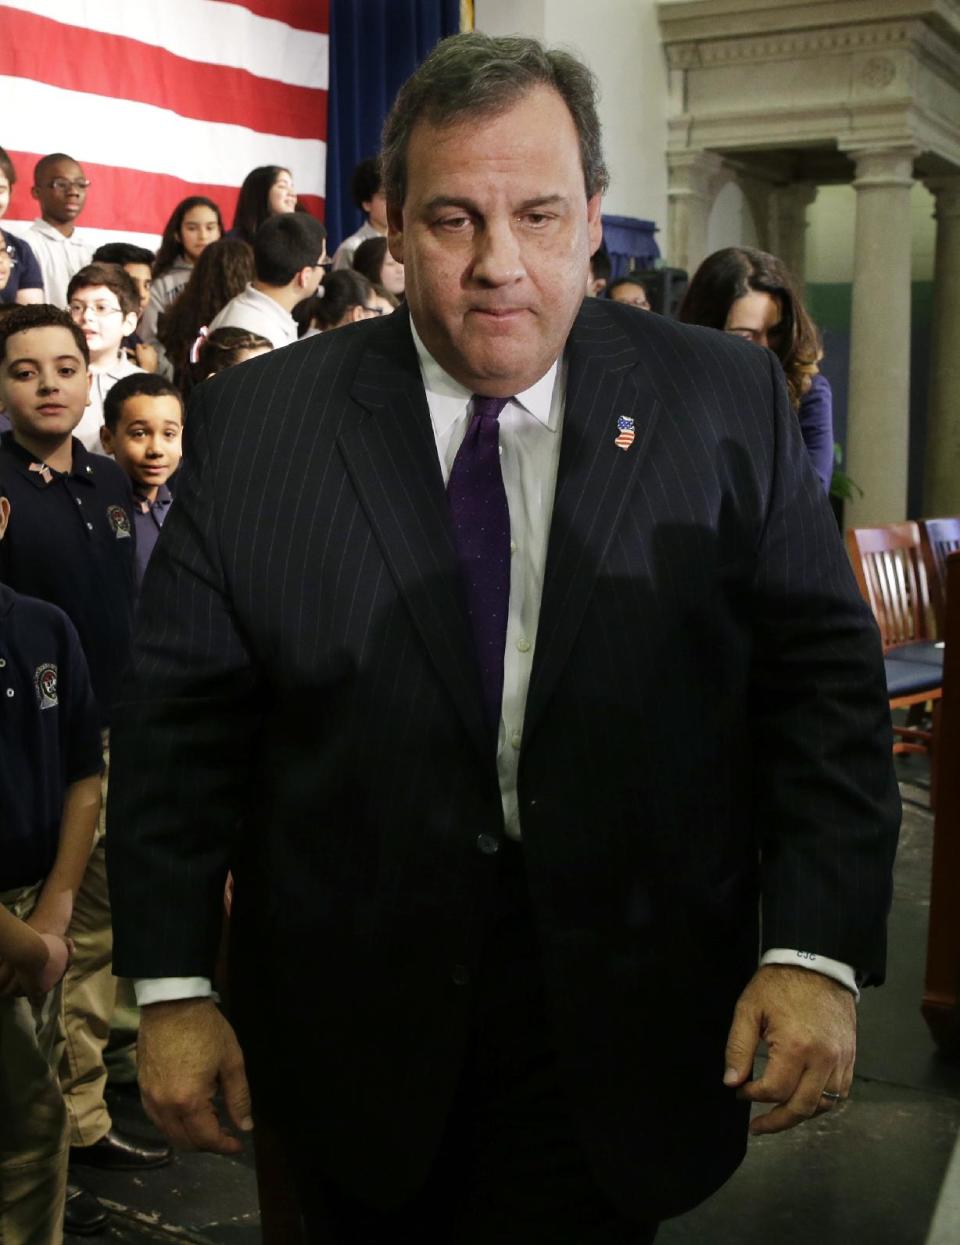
(694, 173)
(797, 195)
(883, 166)
(946, 193)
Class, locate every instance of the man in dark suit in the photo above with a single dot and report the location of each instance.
(507, 653)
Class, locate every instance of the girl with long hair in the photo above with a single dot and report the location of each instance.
(266, 191)
(373, 260)
(193, 225)
(751, 294)
(221, 272)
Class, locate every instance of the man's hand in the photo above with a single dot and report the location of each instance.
(145, 356)
(186, 1051)
(809, 1023)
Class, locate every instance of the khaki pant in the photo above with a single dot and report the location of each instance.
(33, 1124)
(87, 1002)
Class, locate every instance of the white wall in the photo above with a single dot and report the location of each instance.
(620, 41)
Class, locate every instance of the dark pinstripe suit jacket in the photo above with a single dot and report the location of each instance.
(706, 732)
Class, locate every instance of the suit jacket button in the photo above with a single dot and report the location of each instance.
(460, 974)
(488, 844)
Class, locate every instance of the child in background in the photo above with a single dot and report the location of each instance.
(372, 259)
(347, 298)
(266, 191)
(193, 225)
(137, 262)
(25, 281)
(221, 272)
(143, 429)
(60, 187)
(103, 303)
(50, 794)
(223, 348)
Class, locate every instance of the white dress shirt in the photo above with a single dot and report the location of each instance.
(530, 429)
(59, 258)
(101, 382)
(257, 313)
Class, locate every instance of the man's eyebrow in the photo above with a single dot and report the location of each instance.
(462, 201)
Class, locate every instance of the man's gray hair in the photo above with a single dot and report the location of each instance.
(470, 76)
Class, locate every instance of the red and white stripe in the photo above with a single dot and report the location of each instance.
(164, 100)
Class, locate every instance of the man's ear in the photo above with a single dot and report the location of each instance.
(34, 192)
(395, 231)
(594, 223)
(106, 439)
(129, 323)
(4, 515)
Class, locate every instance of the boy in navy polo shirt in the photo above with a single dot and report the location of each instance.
(50, 761)
(142, 429)
(71, 541)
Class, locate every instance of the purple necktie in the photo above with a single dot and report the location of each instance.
(481, 532)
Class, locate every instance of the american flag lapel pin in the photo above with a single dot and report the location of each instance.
(625, 432)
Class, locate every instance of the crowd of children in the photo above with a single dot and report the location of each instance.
(97, 350)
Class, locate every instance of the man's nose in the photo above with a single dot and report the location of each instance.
(498, 258)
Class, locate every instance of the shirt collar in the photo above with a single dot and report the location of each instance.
(447, 397)
(48, 231)
(82, 461)
(164, 498)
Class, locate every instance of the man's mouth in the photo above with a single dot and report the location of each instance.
(51, 408)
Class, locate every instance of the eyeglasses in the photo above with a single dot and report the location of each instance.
(324, 263)
(373, 311)
(8, 256)
(62, 184)
(100, 310)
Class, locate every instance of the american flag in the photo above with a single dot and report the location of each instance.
(625, 432)
(162, 100)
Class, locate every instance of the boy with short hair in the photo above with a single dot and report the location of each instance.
(103, 302)
(50, 763)
(367, 190)
(71, 542)
(137, 263)
(60, 187)
(143, 429)
(289, 255)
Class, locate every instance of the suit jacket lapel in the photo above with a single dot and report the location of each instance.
(594, 481)
(391, 457)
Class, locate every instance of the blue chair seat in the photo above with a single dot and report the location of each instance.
(907, 678)
(927, 652)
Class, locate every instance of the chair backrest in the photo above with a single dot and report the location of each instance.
(888, 563)
(938, 538)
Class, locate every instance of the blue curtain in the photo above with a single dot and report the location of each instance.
(374, 46)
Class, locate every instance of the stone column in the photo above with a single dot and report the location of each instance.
(941, 485)
(693, 179)
(788, 225)
(878, 422)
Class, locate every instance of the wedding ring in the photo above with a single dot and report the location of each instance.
(830, 1095)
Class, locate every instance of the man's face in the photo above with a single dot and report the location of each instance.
(60, 193)
(4, 194)
(495, 236)
(44, 384)
(96, 309)
(376, 210)
(631, 293)
(146, 443)
(140, 275)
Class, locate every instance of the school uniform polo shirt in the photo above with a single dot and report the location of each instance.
(49, 732)
(71, 541)
(148, 519)
(257, 313)
(60, 258)
(101, 382)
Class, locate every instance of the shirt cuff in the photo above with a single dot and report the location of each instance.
(169, 989)
(819, 963)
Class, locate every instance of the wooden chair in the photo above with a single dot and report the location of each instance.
(889, 566)
(941, 995)
(938, 538)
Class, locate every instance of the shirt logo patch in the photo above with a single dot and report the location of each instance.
(119, 521)
(45, 681)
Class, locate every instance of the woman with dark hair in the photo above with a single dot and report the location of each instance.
(221, 272)
(751, 294)
(266, 191)
(373, 260)
(345, 297)
(24, 281)
(193, 225)
(224, 348)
